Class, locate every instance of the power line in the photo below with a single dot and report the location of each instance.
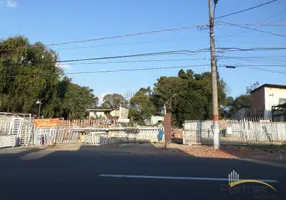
(173, 52)
(220, 50)
(261, 61)
(253, 29)
(200, 27)
(278, 20)
(263, 20)
(251, 67)
(137, 69)
(134, 55)
(110, 71)
(266, 70)
(251, 57)
(139, 61)
(263, 65)
(128, 35)
(187, 52)
(255, 24)
(247, 9)
(129, 43)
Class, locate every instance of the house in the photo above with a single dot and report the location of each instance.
(121, 114)
(265, 97)
(154, 120)
(279, 113)
(242, 113)
(99, 113)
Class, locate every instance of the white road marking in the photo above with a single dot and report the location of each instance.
(175, 178)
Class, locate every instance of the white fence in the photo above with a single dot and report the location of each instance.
(115, 135)
(25, 133)
(19, 127)
(242, 132)
(8, 141)
(5, 123)
(47, 136)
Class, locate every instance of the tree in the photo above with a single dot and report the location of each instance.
(182, 74)
(241, 101)
(113, 101)
(187, 96)
(252, 87)
(29, 72)
(141, 106)
(75, 99)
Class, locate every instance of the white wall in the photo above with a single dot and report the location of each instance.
(155, 119)
(123, 113)
(96, 114)
(272, 96)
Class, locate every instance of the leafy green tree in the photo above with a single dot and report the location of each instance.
(141, 106)
(29, 72)
(113, 101)
(187, 96)
(75, 99)
(241, 101)
(252, 87)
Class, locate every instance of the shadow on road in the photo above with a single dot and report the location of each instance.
(75, 173)
(18, 151)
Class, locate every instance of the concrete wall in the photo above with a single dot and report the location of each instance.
(241, 114)
(273, 97)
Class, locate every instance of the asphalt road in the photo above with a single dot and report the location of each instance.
(78, 175)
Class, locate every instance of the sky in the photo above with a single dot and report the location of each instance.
(57, 21)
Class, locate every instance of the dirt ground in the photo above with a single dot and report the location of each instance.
(262, 152)
(259, 152)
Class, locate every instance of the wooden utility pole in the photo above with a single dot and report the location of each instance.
(216, 138)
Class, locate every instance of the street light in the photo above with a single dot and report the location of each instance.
(40, 103)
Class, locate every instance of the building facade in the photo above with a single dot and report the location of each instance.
(266, 96)
(241, 113)
(120, 114)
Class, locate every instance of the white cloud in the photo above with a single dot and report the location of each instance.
(11, 4)
(100, 97)
(63, 66)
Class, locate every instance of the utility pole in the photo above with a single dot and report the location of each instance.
(216, 138)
